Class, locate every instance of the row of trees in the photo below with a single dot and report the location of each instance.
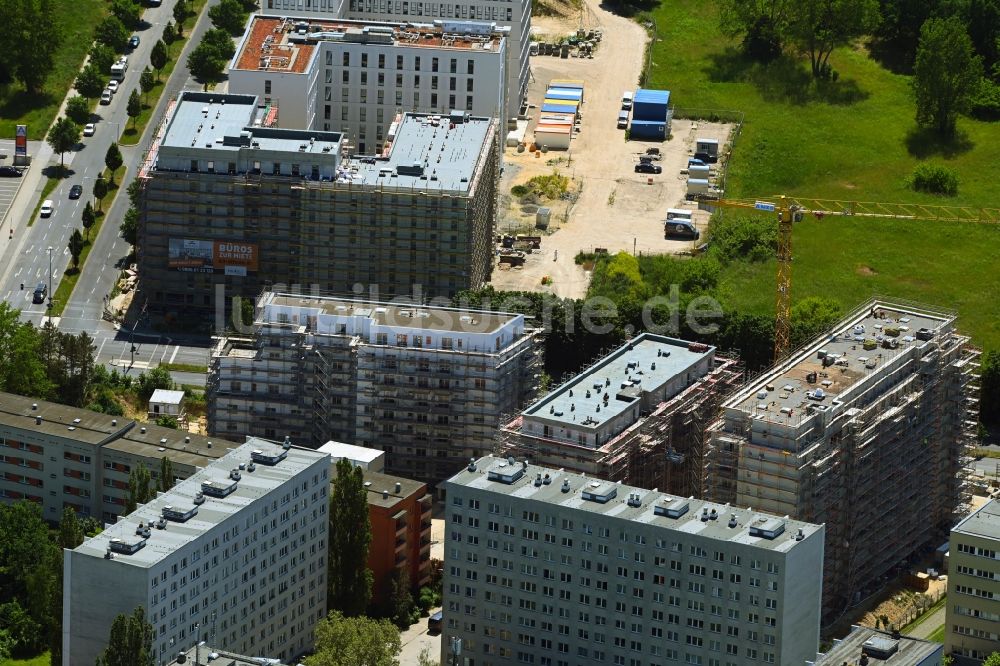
(208, 60)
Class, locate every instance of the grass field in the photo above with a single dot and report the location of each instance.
(853, 138)
(77, 20)
(40, 660)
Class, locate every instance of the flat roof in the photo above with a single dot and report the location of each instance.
(641, 365)
(181, 447)
(905, 650)
(167, 396)
(395, 314)
(350, 451)
(217, 657)
(377, 483)
(984, 522)
(73, 423)
(654, 508)
(273, 44)
(782, 394)
(163, 542)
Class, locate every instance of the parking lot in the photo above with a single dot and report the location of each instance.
(8, 186)
(617, 209)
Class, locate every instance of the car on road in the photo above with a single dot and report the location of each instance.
(89, 129)
(646, 167)
(113, 86)
(134, 42)
(75, 191)
(47, 208)
(106, 97)
(41, 291)
(9, 172)
(622, 119)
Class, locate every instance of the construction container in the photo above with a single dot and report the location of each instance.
(542, 217)
(707, 150)
(699, 171)
(647, 129)
(567, 83)
(650, 114)
(697, 187)
(553, 137)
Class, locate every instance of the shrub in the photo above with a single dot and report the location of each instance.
(750, 237)
(551, 186)
(78, 110)
(985, 103)
(934, 179)
(519, 190)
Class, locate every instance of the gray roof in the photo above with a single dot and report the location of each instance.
(786, 387)
(643, 364)
(984, 522)
(707, 519)
(72, 423)
(215, 657)
(251, 486)
(166, 396)
(905, 650)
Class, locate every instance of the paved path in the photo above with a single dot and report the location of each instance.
(416, 639)
(930, 624)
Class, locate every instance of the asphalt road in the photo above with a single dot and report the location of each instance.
(27, 259)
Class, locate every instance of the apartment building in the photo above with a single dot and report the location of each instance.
(638, 415)
(400, 513)
(236, 551)
(515, 14)
(866, 429)
(426, 385)
(355, 77)
(872, 646)
(972, 616)
(207, 654)
(59, 456)
(231, 207)
(550, 567)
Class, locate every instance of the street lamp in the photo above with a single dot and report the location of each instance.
(49, 250)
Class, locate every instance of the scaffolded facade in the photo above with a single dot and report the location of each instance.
(868, 430)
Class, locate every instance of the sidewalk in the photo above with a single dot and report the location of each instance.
(416, 639)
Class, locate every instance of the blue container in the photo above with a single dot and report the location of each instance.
(651, 104)
(558, 108)
(648, 129)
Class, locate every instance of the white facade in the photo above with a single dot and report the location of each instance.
(543, 566)
(355, 77)
(515, 14)
(236, 552)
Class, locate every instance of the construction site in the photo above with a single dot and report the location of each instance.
(867, 429)
(638, 416)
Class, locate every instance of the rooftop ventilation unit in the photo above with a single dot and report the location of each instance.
(269, 458)
(672, 508)
(505, 472)
(199, 498)
(633, 500)
(472, 465)
(218, 488)
(178, 516)
(123, 547)
(600, 493)
(767, 528)
(732, 520)
(565, 486)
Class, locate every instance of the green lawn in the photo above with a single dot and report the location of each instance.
(40, 660)
(77, 19)
(937, 636)
(853, 138)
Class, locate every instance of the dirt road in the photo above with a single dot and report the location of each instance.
(617, 209)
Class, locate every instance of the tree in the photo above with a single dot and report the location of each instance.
(205, 63)
(425, 659)
(401, 608)
(113, 158)
(129, 228)
(112, 32)
(167, 421)
(819, 26)
(38, 38)
(130, 642)
(762, 23)
(70, 531)
(22, 371)
(102, 56)
(128, 12)
(134, 107)
(989, 383)
(157, 378)
(78, 109)
(992, 660)
(140, 488)
(169, 32)
(359, 641)
(146, 82)
(63, 137)
(180, 13)
(984, 30)
(350, 579)
(946, 73)
(90, 82)
(228, 15)
(88, 218)
(221, 42)
(100, 190)
(75, 246)
(158, 57)
(25, 633)
(811, 316)
(166, 474)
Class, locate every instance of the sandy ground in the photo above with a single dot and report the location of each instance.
(616, 209)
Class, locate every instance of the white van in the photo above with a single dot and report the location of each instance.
(627, 100)
(678, 214)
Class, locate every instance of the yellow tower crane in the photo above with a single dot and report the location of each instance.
(791, 210)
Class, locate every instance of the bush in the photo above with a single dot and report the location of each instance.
(519, 190)
(934, 179)
(78, 110)
(749, 237)
(551, 186)
(985, 103)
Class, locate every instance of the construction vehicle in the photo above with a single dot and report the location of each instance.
(793, 210)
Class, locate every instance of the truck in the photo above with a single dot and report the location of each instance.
(119, 68)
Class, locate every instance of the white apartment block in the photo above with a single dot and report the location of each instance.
(515, 14)
(557, 569)
(425, 384)
(234, 555)
(355, 77)
(972, 618)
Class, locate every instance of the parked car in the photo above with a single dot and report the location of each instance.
(41, 291)
(106, 97)
(680, 229)
(89, 129)
(113, 86)
(75, 191)
(9, 172)
(47, 208)
(648, 167)
(134, 42)
(434, 623)
(622, 119)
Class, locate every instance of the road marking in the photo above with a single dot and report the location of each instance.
(174, 355)
(99, 349)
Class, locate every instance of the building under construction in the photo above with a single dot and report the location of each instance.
(867, 429)
(638, 416)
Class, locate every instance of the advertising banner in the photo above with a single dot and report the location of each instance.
(205, 256)
(21, 141)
